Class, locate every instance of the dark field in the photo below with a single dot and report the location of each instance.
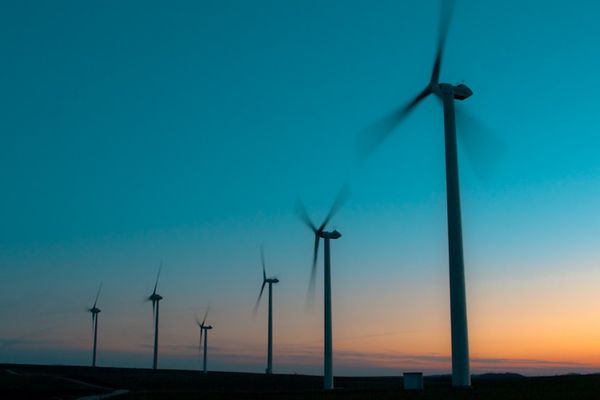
(64, 382)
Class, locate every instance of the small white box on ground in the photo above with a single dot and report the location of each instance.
(413, 380)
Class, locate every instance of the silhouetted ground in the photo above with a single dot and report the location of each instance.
(65, 382)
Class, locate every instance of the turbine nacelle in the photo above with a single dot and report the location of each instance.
(459, 92)
(462, 92)
(330, 235)
(155, 297)
(94, 310)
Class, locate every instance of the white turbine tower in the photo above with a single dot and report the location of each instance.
(320, 233)
(204, 329)
(95, 311)
(270, 281)
(447, 94)
(155, 298)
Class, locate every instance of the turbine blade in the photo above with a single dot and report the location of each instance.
(302, 214)
(153, 309)
(483, 147)
(157, 276)
(262, 260)
(205, 314)
(339, 201)
(444, 24)
(313, 273)
(200, 339)
(315, 255)
(262, 288)
(97, 295)
(378, 132)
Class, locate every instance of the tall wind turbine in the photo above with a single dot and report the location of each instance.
(155, 298)
(320, 233)
(95, 311)
(204, 329)
(270, 281)
(447, 93)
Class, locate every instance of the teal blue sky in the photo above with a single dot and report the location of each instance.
(141, 131)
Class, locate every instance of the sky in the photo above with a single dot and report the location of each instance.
(141, 132)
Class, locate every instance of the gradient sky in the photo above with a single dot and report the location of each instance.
(140, 131)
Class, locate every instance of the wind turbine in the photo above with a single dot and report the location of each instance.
(204, 328)
(269, 281)
(155, 298)
(320, 233)
(95, 311)
(447, 93)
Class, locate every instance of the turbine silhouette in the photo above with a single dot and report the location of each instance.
(447, 93)
(155, 298)
(270, 281)
(320, 233)
(204, 329)
(95, 311)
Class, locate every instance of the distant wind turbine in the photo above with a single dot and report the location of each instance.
(269, 281)
(320, 233)
(204, 329)
(155, 298)
(447, 94)
(95, 311)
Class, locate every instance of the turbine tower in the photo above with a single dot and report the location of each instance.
(95, 311)
(320, 233)
(447, 93)
(269, 281)
(155, 298)
(204, 329)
